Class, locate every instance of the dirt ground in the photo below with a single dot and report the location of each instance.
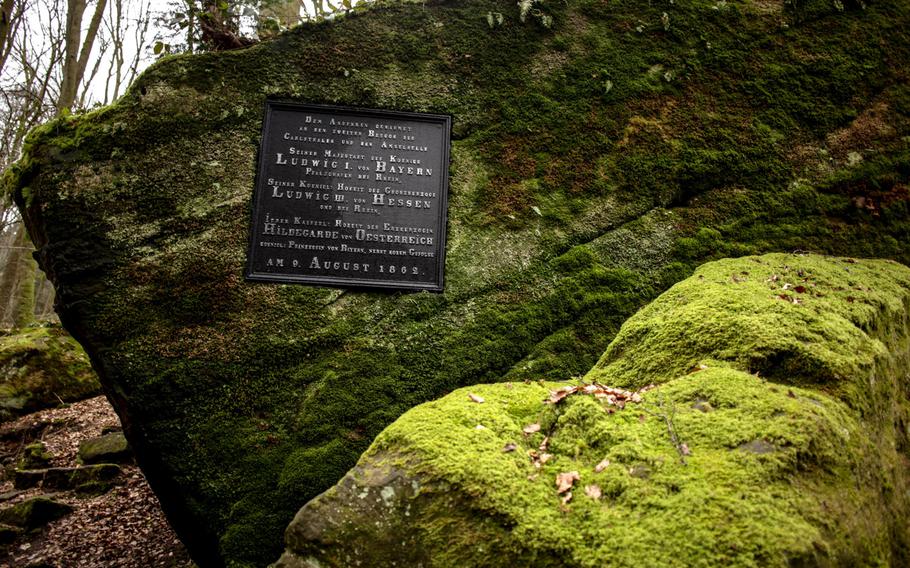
(124, 527)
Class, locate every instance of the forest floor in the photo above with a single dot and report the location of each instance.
(124, 527)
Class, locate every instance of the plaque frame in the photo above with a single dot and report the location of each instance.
(437, 285)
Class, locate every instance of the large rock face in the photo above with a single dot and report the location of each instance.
(800, 460)
(597, 160)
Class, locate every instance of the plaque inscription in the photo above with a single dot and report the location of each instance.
(350, 197)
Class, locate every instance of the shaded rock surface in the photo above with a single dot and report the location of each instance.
(42, 367)
(597, 160)
(34, 513)
(84, 479)
(794, 468)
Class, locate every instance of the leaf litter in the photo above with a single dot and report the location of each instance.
(611, 395)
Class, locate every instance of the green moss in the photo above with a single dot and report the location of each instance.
(769, 315)
(715, 466)
(768, 507)
(35, 456)
(34, 513)
(107, 449)
(42, 367)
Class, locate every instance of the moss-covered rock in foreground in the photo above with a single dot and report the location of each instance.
(595, 162)
(42, 367)
(789, 467)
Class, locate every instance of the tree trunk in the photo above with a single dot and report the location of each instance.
(90, 36)
(6, 26)
(76, 59)
(74, 11)
(25, 295)
(9, 278)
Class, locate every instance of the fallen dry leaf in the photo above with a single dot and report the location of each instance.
(684, 449)
(611, 395)
(543, 445)
(559, 394)
(604, 463)
(531, 428)
(510, 447)
(567, 498)
(593, 491)
(565, 480)
(475, 398)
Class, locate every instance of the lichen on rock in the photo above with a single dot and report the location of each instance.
(716, 466)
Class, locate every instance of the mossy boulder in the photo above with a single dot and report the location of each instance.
(35, 456)
(34, 513)
(600, 154)
(42, 367)
(110, 448)
(719, 465)
(90, 479)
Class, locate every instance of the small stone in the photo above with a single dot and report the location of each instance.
(758, 447)
(90, 478)
(110, 448)
(9, 495)
(27, 478)
(35, 456)
(33, 513)
(640, 471)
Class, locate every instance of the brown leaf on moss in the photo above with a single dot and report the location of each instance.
(567, 498)
(475, 398)
(510, 447)
(611, 395)
(559, 394)
(531, 428)
(604, 463)
(593, 491)
(565, 480)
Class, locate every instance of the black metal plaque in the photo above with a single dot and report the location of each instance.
(350, 197)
